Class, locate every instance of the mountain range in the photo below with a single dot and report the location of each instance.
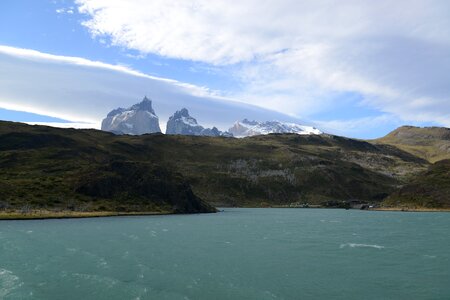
(54, 168)
(142, 119)
(246, 128)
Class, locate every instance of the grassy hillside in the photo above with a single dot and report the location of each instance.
(93, 170)
(66, 169)
(430, 143)
(429, 189)
(282, 169)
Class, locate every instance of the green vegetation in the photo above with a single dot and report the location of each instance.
(44, 168)
(284, 169)
(430, 189)
(58, 170)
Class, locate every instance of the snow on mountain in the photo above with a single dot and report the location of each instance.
(138, 119)
(182, 123)
(249, 128)
(141, 119)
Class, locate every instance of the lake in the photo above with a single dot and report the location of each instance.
(236, 254)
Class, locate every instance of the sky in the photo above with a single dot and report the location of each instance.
(358, 68)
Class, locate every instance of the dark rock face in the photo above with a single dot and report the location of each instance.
(136, 120)
(142, 182)
(182, 123)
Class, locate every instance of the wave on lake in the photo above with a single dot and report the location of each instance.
(353, 245)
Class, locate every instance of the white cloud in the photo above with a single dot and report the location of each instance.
(69, 10)
(68, 125)
(84, 91)
(291, 55)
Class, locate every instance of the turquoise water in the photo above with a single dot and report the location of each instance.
(236, 254)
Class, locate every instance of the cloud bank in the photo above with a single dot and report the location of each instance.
(297, 55)
(84, 91)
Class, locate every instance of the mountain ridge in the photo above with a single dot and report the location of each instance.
(141, 119)
(276, 169)
(247, 128)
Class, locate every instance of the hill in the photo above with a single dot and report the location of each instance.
(430, 143)
(66, 169)
(281, 169)
(93, 170)
(430, 189)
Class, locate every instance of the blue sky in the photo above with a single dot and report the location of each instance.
(37, 25)
(365, 71)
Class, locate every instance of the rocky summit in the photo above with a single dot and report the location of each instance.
(135, 120)
(246, 128)
(183, 124)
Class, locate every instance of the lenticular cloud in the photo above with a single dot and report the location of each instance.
(81, 90)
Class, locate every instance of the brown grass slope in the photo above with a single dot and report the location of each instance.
(430, 143)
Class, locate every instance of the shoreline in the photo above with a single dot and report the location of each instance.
(399, 209)
(48, 215)
(406, 209)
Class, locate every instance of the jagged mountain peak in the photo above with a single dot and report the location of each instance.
(116, 111)
(184, 116)
(183, 123)
(145, 105)
(182, 113)
(137, 119)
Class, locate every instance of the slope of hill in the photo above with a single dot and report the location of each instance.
(430, 189)
(288, 168)
(89, 169)
(430, 143)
